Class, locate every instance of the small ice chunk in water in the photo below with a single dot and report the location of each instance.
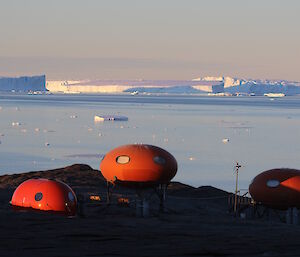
(48, 130)
(225, 140)
(98, 118)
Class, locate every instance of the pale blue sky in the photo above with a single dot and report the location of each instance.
(166, 39)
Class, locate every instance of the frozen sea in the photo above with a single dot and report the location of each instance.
(39, 132)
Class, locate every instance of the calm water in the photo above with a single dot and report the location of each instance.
(50, 131)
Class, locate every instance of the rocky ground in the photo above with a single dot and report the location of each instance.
(196, 222)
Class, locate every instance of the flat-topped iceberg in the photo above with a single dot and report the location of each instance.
(101, 118)
(23, 84)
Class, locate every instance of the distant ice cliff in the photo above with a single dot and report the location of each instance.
(23, 84)
(142, 86)
(205, 85)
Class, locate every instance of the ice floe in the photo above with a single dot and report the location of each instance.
(101, 118)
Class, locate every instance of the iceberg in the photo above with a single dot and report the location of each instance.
(110, 118)
(23, 84)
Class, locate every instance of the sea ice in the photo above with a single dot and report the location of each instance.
(225, 140)
(110, 118)
(48, 131)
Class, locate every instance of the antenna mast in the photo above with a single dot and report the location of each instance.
(237, 167)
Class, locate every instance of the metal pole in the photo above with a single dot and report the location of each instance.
(237, 166)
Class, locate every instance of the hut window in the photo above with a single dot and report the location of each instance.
(122, 159)
(159, 160)
(71, 196)
(38, 196)
(273, 183)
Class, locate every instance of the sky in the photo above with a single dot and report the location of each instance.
(157, 39)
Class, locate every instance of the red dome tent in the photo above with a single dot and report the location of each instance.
(45, 195)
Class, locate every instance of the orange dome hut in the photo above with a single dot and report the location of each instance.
(45, 195)
(277, 188)
(138, 165)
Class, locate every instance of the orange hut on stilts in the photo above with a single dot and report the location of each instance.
(139, 166)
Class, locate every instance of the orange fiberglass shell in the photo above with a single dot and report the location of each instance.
(277, 188)
(138, 165)
(45, 195)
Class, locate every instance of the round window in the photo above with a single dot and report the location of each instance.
(71, 196)
(38, 196)
(159, 160)
(122, 159)
(273, 183)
